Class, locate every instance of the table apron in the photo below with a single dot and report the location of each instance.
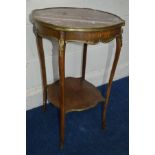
(78, 36)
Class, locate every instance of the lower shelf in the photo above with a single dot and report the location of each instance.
(79, 94)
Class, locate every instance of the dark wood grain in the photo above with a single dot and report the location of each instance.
(43, 69)
(117, 54)
(79, 94)
(85, 37)
(94, 37)
(84, 60)
(61, 86)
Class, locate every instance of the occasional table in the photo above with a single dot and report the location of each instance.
(83, 25)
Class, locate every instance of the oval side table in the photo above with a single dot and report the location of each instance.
(75, 24)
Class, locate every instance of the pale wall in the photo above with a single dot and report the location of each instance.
(99, 57)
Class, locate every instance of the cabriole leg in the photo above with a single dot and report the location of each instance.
(43, 69)
(117, 54)
(62, 91)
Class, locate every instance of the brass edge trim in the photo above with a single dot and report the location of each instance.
(82, 109)
(79, 8)
(60, 28)
(67, 29)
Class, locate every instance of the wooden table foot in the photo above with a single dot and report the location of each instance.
(61, 145)
(103, 125)
(44, 107)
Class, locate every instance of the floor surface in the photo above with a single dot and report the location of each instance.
(83, 132)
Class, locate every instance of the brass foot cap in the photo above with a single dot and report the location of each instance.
(61, 145)
(44, 108)
(103, 125)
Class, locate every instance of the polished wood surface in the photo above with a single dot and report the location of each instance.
(62, 46)
(43, 69)
(84, 60)
(79, 94)
(117, 54)
(75, 94)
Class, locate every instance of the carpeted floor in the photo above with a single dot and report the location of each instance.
(83, 132)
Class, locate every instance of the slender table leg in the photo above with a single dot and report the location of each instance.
(43, 69)
(84, 60)
(117, 54)
(62, 78)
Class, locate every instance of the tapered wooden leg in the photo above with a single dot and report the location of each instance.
(44, 99)
(43, 69)
(84, 60)
(117, 54)
(62, 78)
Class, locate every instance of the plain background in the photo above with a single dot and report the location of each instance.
(100, 54)
(13, 77)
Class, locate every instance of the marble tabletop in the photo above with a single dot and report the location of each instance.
(77, 18)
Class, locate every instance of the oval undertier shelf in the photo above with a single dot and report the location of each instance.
(79, 94)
